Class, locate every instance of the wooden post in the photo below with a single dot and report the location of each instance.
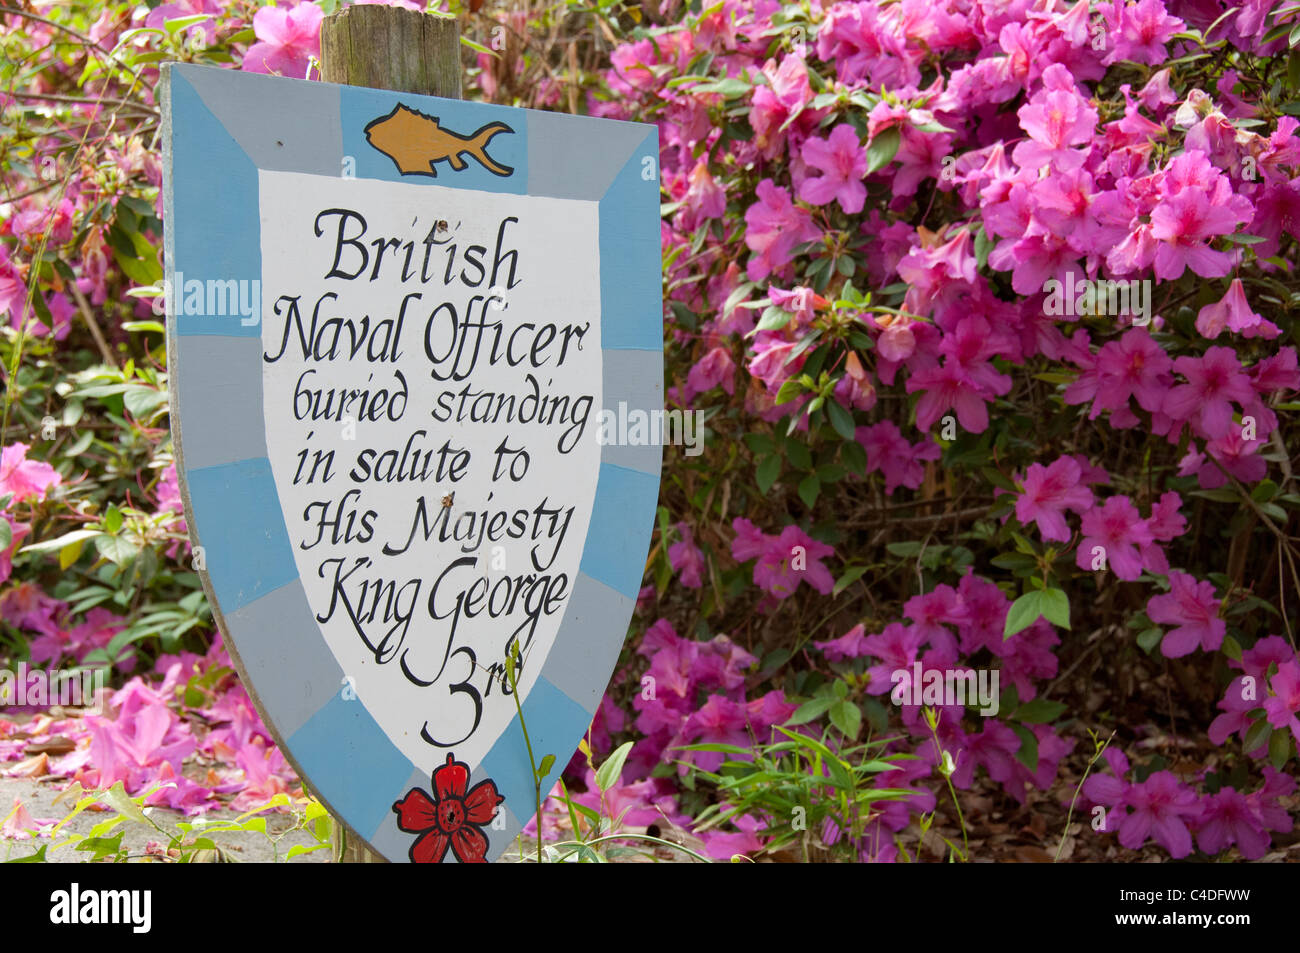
(408, 52)
(392, 48)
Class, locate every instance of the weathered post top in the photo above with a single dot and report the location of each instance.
(392, 48)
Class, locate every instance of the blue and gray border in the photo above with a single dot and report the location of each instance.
(219, 128)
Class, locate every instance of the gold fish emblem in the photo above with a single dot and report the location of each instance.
(415, 142)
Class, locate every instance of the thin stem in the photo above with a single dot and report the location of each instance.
(1074, 800)
(532, 761)
(931, 720)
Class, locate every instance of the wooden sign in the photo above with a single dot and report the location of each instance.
(395, 324)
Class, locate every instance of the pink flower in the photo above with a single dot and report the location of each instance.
(888, 451)
(802, 302)
(1236, 705)
(719, 721)
(776, 226)
(1191, 606)
(792, 558)
(13, 289)
(1214, 381)
(1133, 366)
(1283, 705)
(686, 558)
(948, 388)
(26, 606)
(714, 369)
(19, 824)
(750, 541)
(1227, 818)
(185, 8)
(721, 845)
(705, 196)
(19, 531)
(287, 38)
(843, 162)
(1056, 119)
(1139, 32)
(1197, 203)
(897, 342)
(1118, 529)
(850, 645)
(1161, 808)
(1232, 311)
(1048, 492)
(774, 104)
(25, 478)
(897, 647)
(1182, 225)
(771, 363)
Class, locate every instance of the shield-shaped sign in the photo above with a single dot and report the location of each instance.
(398, 328)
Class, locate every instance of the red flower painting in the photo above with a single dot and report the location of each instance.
(451, 817)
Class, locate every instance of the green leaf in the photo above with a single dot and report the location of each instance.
(729, 88)
(799, 455)
(789, 391)
(36, 858)
(112, 519)
(80, 445)
(1039, 712)
(883, 148)
(176, 24)
(1024, 612)
(1056, 607)
(117, 798)
(544, 768)
(814, 708)
(116, 549)
(1257, 736)
(1051, 604)
(143, 401)
(299, 849)
(773, 319)
(477, 48)
(52, 544)
(1028, 753)
(841, 419)
(69, 554)
(607, 774)
(998, 479)
(1148, 639)
(851, 575)
(854, 457)
(768, 470)
(1279, 749)
(809, 489)
(846, 717)
(6, 534)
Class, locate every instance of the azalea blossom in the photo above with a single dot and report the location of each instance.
(843, 163)
(287, 38)
(1048, 492)
(1190, 605)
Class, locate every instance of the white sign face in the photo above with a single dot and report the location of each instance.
(432, 392)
